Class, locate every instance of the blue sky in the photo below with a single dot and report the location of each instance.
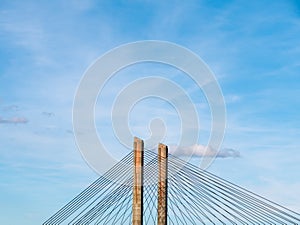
(46, 46)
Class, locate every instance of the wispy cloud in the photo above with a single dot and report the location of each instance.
(232, 99)
(204, 151)
(14, 120)
(256, 65)
(48, 114)
(11, 108)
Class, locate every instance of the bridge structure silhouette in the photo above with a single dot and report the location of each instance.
(146, 187)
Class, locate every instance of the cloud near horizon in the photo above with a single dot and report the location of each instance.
(14, 120)
(48, 114)
(204, 151)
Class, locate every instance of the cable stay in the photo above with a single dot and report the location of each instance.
(195, 197)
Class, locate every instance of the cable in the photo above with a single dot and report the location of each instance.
(194, 196)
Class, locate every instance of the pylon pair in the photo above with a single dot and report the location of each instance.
(162, 183)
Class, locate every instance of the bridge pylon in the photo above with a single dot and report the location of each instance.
(162, 183)
(144, 188)
(138, 180)
(162, 195)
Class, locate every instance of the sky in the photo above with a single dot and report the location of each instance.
(253, 48)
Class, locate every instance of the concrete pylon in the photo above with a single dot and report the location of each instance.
(162, 207)
(137, 204)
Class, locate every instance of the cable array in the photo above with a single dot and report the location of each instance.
(195, 197)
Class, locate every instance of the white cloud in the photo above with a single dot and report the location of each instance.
(232, 98)
(11, 108)
(14, 120)
(204, 151)
(48, 114)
